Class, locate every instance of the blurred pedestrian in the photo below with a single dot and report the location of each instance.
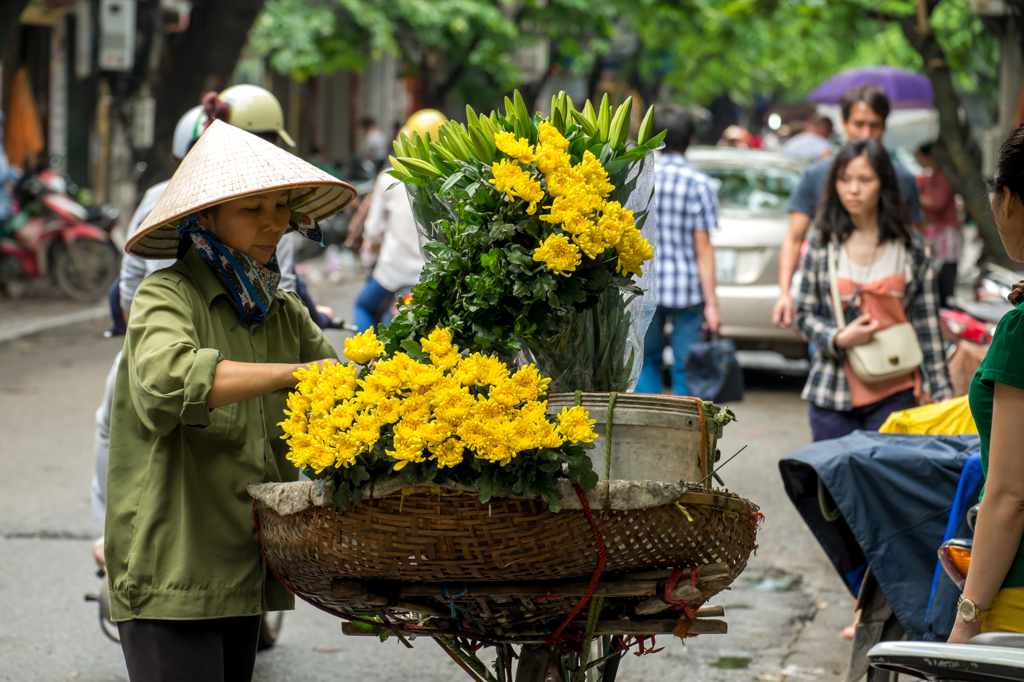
(318, 158)
(686, 206)
(8, 175)
(375, 142)
(735, 136)
(390, 230)
(812, 144)
(943, 232)
(864, 110)
(885, 278)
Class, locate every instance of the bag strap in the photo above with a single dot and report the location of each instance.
(833, 285)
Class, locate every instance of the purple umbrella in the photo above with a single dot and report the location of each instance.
(906, 89)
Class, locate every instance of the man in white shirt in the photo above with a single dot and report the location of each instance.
(391, 227)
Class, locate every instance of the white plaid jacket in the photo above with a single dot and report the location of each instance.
(826, 385)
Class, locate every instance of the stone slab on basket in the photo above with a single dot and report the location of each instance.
(654, 437)
(357, 560)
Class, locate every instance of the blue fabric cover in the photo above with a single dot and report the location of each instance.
(942, 604)
(895, 493)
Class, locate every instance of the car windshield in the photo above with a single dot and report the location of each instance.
(762, 190)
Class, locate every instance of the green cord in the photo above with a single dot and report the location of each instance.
(832, 515)
(593, 614)
(467, 657)
(608, 438)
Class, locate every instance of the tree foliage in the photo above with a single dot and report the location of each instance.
(746, 47)
(464, 46)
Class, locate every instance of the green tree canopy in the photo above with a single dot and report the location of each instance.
(787, 47)
(464, 46)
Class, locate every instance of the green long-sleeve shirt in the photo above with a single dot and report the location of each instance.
(180, 538)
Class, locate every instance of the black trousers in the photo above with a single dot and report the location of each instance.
(216, 650)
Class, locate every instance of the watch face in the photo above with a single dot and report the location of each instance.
(968, 610)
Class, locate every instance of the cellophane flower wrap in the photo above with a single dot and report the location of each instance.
(537, 233)
(433, 413)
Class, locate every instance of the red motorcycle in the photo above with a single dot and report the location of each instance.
(56, 236)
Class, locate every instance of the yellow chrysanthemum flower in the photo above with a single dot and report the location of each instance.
(559, 254)
(575, 425)
(364, 347)
(448, 453)
(517, 184)
(438, 342)
(515, 148)
(529, 384)
(594, 174)
(551, 160)
(577, 224)
(590, 243)
(633, 252)
(550, 136)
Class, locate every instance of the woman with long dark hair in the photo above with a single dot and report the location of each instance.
(993, 598)
(864, 246)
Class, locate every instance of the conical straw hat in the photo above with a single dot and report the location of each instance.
(227, 163)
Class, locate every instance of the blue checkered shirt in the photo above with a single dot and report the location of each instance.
(684, 202)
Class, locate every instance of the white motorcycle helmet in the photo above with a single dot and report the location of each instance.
(189, 128)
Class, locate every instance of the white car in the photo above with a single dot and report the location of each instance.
(753, 189)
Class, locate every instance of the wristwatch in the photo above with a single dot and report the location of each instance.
(968, 610)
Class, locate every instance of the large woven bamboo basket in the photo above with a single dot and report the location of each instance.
(508, 565)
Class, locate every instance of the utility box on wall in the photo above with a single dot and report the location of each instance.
(117, 35)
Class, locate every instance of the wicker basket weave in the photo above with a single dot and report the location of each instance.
(454, 541)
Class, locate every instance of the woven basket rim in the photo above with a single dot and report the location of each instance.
(297, 496)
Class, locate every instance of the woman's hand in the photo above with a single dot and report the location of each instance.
(237, 381)
(963, 631)
(857, 333)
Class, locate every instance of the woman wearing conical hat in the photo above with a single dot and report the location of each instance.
(209, 357)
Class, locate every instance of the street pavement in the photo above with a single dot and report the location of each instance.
(784, 613)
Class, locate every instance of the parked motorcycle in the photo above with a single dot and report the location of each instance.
(55, 236)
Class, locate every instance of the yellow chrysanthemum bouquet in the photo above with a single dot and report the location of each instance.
(433, 413)
(538, 239)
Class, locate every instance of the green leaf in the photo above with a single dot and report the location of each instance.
(486, 486)
(450, 182)
(415, 351)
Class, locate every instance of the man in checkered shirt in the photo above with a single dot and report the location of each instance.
(687, 210)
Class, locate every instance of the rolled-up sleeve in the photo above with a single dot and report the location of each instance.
(170, 374)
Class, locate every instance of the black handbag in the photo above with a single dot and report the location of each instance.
(712, 371)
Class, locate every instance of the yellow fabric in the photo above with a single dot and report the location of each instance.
(1007, 612)
(951, 418)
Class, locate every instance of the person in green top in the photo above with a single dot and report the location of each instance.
(993, 598)
(209, 357)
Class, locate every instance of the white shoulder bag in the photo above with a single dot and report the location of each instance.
(891, 353)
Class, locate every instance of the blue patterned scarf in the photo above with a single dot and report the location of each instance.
(251, 284)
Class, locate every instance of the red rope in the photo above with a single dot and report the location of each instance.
(546, 596)
(670, 587)
(556, 636)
